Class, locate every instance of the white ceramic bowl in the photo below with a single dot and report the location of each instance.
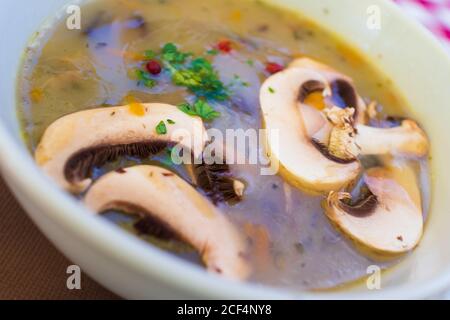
(410, 56)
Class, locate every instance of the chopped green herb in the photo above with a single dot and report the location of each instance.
(187, 108)
(145, 79)
(205, 111)
(196, 74)
(171, 54)
(237, 80)
(149, 54)
(271, 90)
(170, 121)
(200, 108)
(200, 78)
(161, 128)
(250, 62)
(212, 52)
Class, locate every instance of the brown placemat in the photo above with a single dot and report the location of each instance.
(30, 266)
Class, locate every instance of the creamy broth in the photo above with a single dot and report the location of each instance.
(292, 242)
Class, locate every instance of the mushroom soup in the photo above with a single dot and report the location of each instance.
(102, 108)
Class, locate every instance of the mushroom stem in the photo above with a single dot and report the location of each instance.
(408, 140)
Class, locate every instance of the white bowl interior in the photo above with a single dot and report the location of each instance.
(415, 62)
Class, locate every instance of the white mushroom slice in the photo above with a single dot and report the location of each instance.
(386, 220)
(339, 87)
(179, 209)
(74, 144)
(301, 161)
(408, 139)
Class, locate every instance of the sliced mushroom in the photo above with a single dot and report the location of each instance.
(408, 139)
(338, 89)
(305, 163)
(76, 143)
(385, 219)
(179, 209)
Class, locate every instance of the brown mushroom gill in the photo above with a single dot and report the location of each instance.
(179, 211)
(80, 165)
(344, 95)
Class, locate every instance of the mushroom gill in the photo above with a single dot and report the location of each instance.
(303, 161)
(218, 183)
(178, 209)
(74, 144)
(385, 219)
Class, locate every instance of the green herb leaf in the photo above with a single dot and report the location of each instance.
(200, 108)
(197, 75)
(187, 108)
(171, 54)
(149, 54)
(170, 121)
(161, 128)
(271, 90)
(145, 79)
(205, 111)
(213, 52)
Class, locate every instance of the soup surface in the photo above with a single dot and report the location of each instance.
(292, 242)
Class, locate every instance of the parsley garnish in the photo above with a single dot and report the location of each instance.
(213, 52)
(161, 128)
(171, 54)
(149, 54)
(145, 79)
(201, 79)
(238, 81)
(200, 108)
(196, 74)
(170, 121)
(271, 90)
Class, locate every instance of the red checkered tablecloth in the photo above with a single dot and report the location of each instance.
(434, 14)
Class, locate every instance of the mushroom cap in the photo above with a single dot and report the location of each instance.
(338, 84)
(388, 222)
(302, 163)
(160, 194)
(112, 131)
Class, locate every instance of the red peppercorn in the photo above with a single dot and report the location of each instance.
(273, 67)
(153, 67)
(225, 46)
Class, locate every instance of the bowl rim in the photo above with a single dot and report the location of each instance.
(122, 248)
